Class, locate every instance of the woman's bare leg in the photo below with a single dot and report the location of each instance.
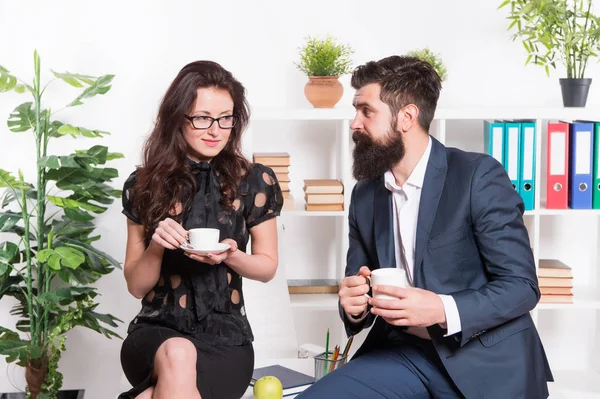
(147, 394)
(175, 367)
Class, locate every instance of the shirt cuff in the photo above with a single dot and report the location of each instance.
(452, 324)
(355, 320)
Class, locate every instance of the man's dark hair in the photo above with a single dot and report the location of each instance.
(404, 80)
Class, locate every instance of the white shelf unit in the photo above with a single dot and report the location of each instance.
(548, 228)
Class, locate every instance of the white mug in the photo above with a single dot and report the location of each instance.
(204, 238)
(388, 276)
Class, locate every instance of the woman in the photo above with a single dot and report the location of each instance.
(191, 338)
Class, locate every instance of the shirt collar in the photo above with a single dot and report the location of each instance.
(417, 176)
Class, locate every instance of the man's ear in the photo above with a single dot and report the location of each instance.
(407, 118)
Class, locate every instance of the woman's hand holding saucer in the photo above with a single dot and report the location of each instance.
(215, 258)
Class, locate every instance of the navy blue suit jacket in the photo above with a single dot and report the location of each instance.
(472, 244)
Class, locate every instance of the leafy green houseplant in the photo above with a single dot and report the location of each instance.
(425, 54)
(324, 61)
(49, 262)
(558, 32)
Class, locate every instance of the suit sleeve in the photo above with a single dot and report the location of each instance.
(503, 241)
(356, 258)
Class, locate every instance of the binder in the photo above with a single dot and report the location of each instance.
(557, 172)
(581, 152)
(596, 174)
(493, 140)
(527, 177)
(512, 145)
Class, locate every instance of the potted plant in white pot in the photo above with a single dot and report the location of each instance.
(435, 59)
(324, 61)
(49, 262)
(558, 31)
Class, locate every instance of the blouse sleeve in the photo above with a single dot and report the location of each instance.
(265, 198)
(128, 209)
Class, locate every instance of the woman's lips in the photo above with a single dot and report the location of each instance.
(211, 143)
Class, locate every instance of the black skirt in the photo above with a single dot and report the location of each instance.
(223, 372)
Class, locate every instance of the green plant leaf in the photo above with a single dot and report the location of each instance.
(16, 349)
(22, 118)
(75, 79)
(7, 81)
(325, 57)
(8, 220)
(9, 252)
(74, 131)
(78, 215)
(99, 87)
(89, 249)
(71, 203)
(7, 180)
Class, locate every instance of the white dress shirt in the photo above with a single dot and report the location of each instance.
(406, 200)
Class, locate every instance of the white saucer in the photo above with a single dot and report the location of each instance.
(220, 247)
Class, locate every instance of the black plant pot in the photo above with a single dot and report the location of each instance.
(69, 394)
(575, 91)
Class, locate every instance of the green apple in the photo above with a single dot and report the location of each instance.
(268, 387)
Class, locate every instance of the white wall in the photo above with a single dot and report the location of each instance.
(145, 43)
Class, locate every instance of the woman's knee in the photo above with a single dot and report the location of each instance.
(176, 356)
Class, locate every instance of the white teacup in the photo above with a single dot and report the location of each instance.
(388, 276)
(204, 238)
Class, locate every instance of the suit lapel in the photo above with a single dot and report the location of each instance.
(384, 233)
(433, 184)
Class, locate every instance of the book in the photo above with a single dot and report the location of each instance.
(323, 186)
(324, 207)
(555, 282)
(313, 286)
(556, 299)
(293, 381)
(553, 268)
(556, 290)
(324, 198)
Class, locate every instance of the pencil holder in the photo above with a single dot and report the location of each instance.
(324, 365)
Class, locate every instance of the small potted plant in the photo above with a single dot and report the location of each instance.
(558, 31)
(434, 59)
(324, 61)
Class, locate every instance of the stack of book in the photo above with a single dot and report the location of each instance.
(555, 280)
(324, 195)
(279, 162)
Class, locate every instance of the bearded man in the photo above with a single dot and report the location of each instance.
(454, 223)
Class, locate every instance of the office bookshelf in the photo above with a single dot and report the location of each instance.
(581, 379)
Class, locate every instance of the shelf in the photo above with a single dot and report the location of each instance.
(575, 384)
(315, 301)
(301, 211)
(466, 112)
(582, 299)
(570, 212)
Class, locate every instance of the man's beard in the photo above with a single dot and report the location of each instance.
(372, 159)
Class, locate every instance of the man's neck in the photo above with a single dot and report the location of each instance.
(415, 145)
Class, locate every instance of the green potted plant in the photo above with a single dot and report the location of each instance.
(324, 61)
(558, 31)
(433, 58)
(49, 262)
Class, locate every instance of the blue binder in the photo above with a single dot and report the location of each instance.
(493, 140)
(527, 164)
(512, 145)
(581, 148)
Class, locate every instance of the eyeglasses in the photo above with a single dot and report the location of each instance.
(205, 122)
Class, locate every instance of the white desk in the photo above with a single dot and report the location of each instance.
(306, 366)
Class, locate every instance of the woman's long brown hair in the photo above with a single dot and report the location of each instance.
(165, 181)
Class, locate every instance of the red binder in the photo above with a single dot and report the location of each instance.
(557, 170)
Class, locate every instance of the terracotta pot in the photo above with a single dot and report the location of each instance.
(323, 91)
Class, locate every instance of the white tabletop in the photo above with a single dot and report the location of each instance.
(302, 365)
